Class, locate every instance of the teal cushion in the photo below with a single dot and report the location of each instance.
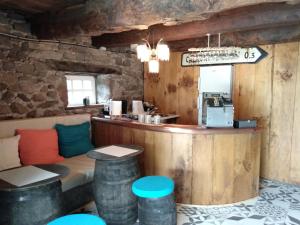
(82, 219)
(74, 139)
(153, 187)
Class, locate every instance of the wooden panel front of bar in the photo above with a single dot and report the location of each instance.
(208, 167)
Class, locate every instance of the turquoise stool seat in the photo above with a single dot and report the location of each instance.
(156, 203)
(78, 219)
(153, 187)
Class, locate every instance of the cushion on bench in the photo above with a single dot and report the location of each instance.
(81, 171)
(74, 139)
(38, 146)
(9, 155)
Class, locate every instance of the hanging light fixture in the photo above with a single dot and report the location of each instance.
(143, 52)
(162, 51)
(225, 50)
(153, 66)
(152, 55)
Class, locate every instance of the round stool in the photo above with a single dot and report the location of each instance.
(156, 205)
(83, 219)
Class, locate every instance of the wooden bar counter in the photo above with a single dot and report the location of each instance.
(209, 166)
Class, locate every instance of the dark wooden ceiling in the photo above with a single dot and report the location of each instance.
(182, 23)
(31, 7)
(250, 18)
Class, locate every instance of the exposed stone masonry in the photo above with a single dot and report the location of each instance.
(12, 23)
(31, 85)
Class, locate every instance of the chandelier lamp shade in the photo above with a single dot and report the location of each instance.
(153, 66)
(152, 55)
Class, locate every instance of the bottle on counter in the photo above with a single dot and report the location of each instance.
(86, 101)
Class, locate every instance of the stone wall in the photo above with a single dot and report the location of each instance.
(15, 24)
(32, 74)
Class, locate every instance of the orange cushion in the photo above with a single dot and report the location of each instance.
(38, 147)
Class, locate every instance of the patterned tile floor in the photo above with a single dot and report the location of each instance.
(278, 204)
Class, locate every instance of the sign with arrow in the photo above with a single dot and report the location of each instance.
(222, 55)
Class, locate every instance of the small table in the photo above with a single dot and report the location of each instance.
(113, 178)
(34, 204)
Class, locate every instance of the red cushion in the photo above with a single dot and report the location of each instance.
(38, 147)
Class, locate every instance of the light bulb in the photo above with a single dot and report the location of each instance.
(153, 66)
(163, 52)
(143, 52)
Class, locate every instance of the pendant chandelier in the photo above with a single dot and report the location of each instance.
(152, 55)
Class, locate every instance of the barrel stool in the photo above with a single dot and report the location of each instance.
(113, 179)
(156, 205)
(82, 219)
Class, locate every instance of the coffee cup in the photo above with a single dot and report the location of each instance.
(157, 119)
(141, 118)
(148, 118)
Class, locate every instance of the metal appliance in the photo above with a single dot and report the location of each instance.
(124, 106)
(217, 110)
(245, 123)
(106, 107)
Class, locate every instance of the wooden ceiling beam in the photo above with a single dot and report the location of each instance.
(243, 38)
(242, 19)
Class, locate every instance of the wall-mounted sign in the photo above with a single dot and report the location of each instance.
(221, 56)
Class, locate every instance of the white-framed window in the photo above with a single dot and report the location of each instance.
(80, 87)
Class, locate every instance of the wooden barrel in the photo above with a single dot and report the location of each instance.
(34, 205)
(114, 199)
(157, 211)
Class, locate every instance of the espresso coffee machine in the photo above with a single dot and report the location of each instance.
(217, 110)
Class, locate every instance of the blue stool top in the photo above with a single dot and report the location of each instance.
(153, 187)
(78, 219)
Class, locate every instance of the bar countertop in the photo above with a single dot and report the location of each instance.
(209, 166)
(175, 128)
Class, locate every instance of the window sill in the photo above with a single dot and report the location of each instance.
(84, 106)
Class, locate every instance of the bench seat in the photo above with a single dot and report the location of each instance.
(77, 185)
(81, 171)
